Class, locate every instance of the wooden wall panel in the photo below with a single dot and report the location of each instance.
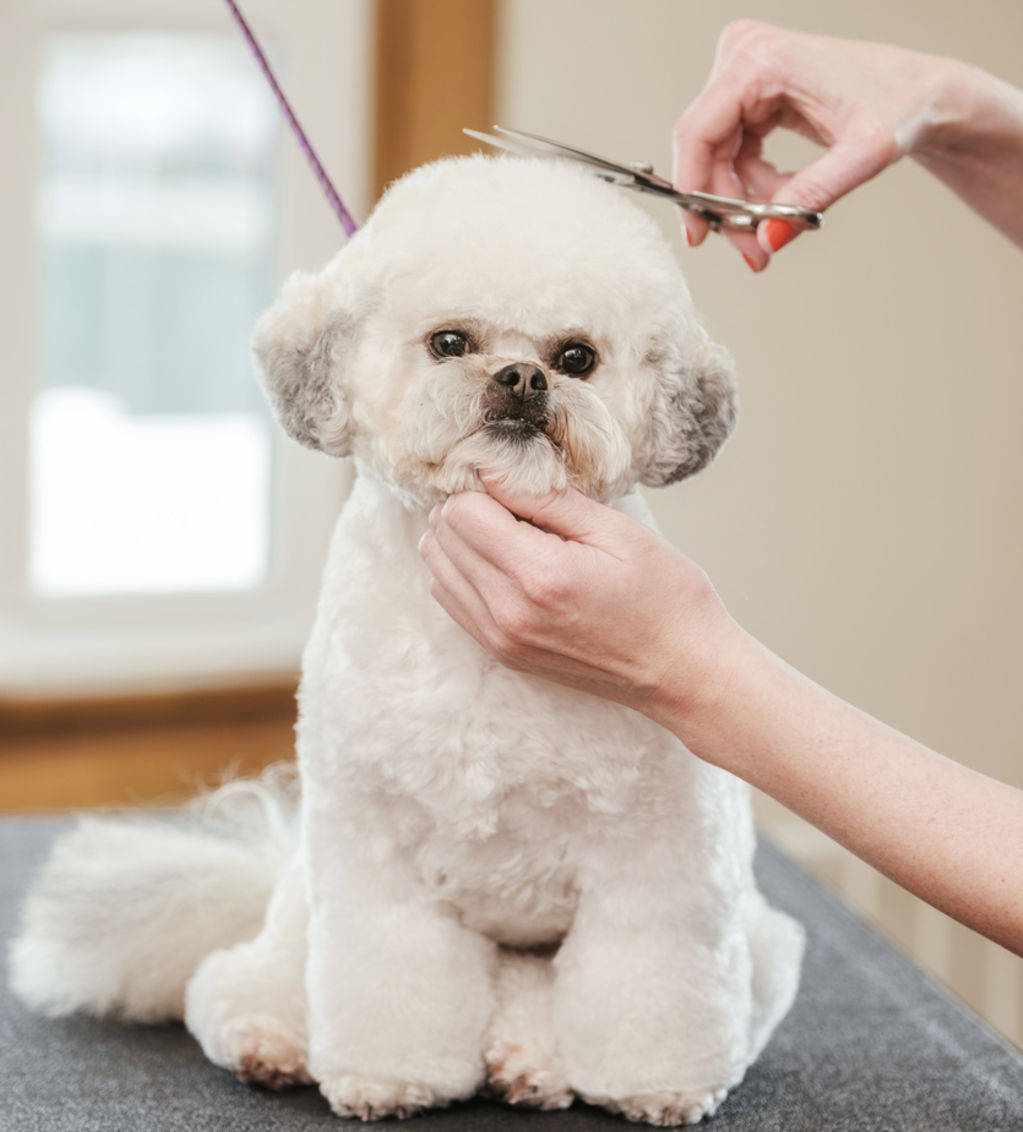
(434, 75)
(160, 747)
(126, 766)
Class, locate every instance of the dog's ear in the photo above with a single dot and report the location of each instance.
(301, 345)
(694, 406)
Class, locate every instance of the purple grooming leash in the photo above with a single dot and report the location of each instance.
(326, 184)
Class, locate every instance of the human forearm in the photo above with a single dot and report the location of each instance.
(945, 832)
(974, 144)
(585, 596)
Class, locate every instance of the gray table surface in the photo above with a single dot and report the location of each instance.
(871, 1044)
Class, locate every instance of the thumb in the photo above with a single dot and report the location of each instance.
(821, 183)
(844, 166)
(567, 513)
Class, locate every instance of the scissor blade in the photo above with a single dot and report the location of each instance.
(551, 146)
(499, 143)
(517, 141)
(722, 212)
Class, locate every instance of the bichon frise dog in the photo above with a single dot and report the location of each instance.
(494, 881)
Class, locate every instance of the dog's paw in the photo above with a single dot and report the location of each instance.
(665, 1109)
(527, 1076)
(260, 1050)
(373, 1098)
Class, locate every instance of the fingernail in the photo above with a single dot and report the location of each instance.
(435, 514)
(751, 263)
(776, 233)
(688, 235)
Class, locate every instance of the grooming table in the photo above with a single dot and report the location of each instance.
(871, 1044)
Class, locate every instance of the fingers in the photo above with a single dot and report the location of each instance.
(718, 141)
(712, 133)
(476, 551)
(705, 140)
(492, 608)
(457, 595)
(487, 531)
(465, 555)
(845, 165)
(830, 91)
(824, 181)
(568, 513)
(714, 152)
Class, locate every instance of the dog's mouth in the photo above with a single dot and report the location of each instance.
(509, 415)
(518, 429)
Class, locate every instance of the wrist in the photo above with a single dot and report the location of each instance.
(695, 693)
(970, 113)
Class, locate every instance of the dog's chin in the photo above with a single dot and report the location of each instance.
(516, 452)
(523, 457)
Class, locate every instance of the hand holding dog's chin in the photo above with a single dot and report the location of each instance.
(570, 590)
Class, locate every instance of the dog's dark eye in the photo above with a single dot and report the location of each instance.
(449, 344)
(577, 359)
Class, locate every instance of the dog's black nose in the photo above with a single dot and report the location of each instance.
(522, 380)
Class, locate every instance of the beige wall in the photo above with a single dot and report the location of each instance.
(865, 520)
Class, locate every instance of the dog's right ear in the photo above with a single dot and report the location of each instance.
(301, 345)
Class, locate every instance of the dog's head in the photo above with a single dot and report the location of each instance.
(508, 314)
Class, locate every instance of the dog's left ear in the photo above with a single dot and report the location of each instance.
(694, 406)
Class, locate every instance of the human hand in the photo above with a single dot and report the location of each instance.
(868, 103)
(578, 593)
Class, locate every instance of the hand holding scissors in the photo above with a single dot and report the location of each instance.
(718, 212)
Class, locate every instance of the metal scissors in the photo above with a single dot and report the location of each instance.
(720, 212)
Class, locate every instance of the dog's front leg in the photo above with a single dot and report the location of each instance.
(652, 995)
(399, 991)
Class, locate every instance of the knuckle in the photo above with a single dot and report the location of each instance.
(507, 647)
(755, 45)
(544, 588)
(746, 34)
(744, 27)
(880, 143)
(515, 626)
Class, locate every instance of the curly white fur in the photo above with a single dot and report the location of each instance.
(496, 879)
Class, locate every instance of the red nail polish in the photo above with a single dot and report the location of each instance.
(777, 233)
(751, 263)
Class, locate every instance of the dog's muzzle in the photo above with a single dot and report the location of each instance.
(516, 398)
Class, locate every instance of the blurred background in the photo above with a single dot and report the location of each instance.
(161, 542)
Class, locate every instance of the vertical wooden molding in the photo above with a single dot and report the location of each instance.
(435, 64)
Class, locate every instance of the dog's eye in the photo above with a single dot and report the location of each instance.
(449, 344)
(577, 359)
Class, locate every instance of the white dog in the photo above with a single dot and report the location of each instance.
(495, 881)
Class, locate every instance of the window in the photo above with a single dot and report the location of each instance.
(149, 448)
(156, 523)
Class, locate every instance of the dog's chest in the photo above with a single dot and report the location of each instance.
(487, 781)
(397, 699)
(474, 746)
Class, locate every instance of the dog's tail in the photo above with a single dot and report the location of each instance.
(124, 910)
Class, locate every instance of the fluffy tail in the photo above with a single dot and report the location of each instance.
(124, 910)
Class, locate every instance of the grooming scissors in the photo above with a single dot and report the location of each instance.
(719, 212)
